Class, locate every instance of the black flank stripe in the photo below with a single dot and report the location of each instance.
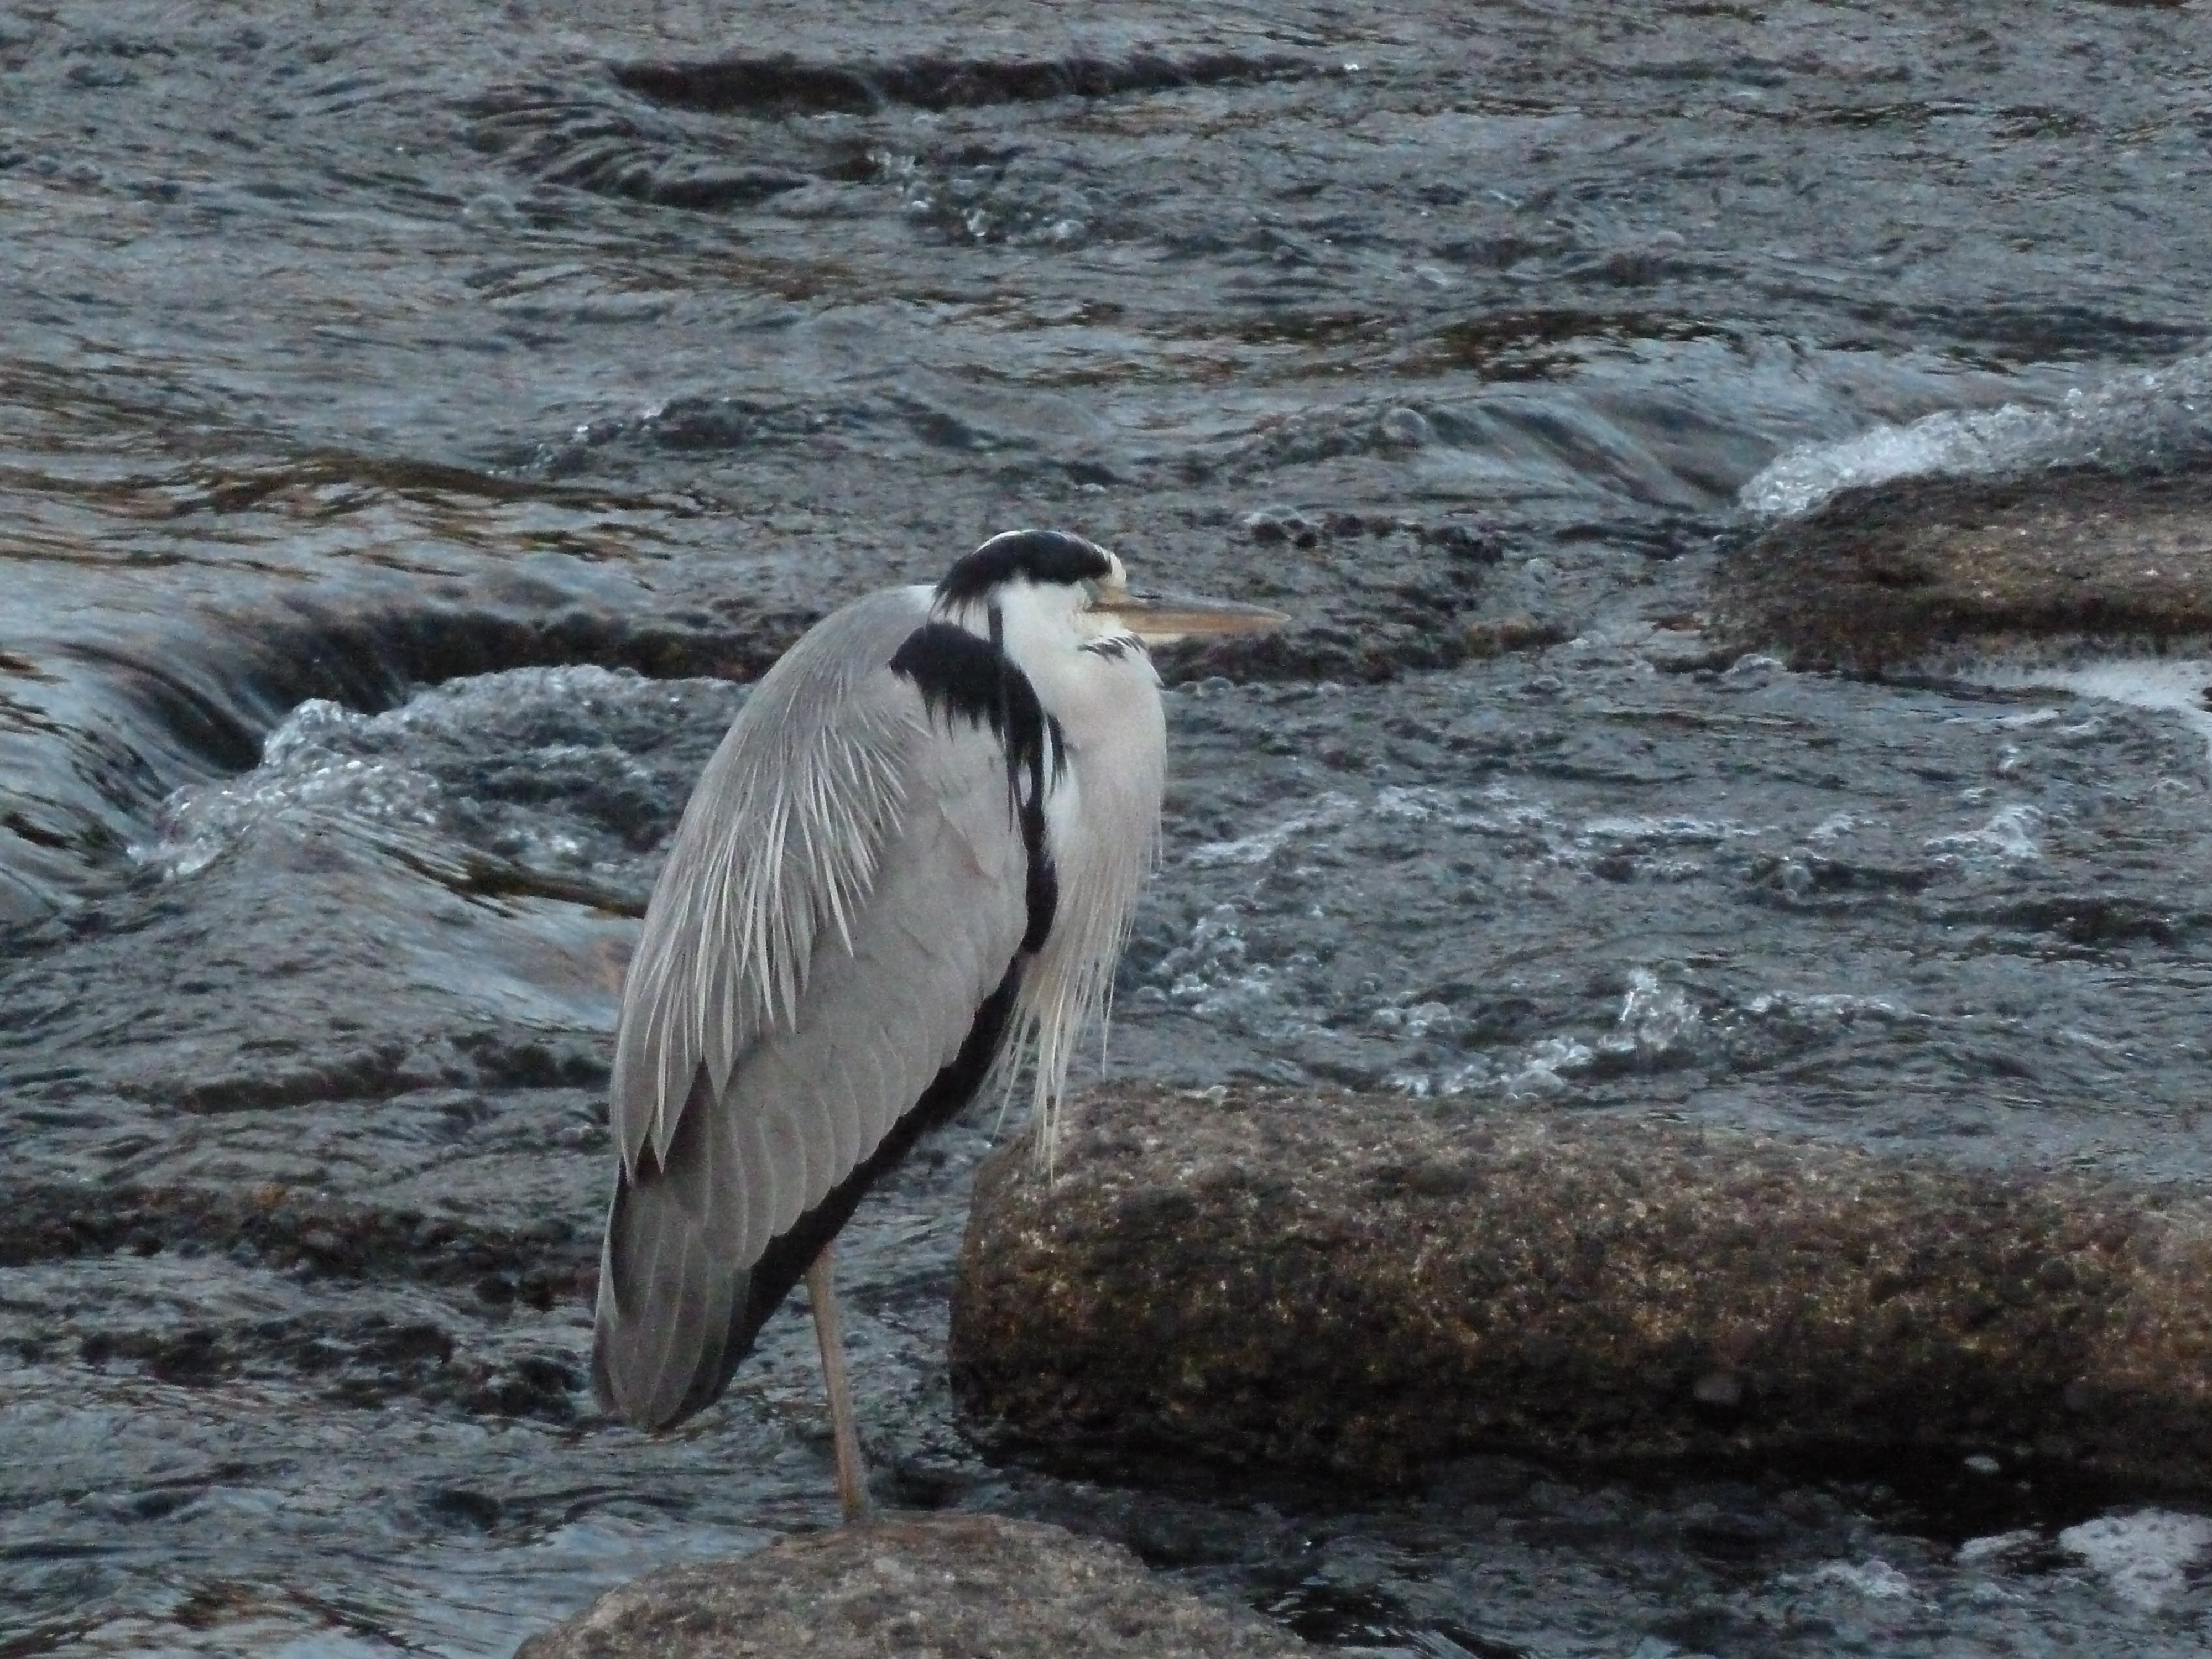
(962, 677)
(788, 1255)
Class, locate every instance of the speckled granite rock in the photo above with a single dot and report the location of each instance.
(1920, 569)
(946, 1586)
(1362, 1285)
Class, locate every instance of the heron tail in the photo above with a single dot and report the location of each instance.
(661, 1345)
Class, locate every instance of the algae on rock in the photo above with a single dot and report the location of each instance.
(1364, 1285)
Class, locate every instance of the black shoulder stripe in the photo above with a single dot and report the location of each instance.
(957, 674)
(962, 677)
(1042, 555)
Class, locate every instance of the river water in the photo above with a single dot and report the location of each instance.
(417, 422)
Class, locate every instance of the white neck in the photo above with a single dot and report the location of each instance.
(1102, 821)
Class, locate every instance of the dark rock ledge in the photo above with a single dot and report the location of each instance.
(1360, 1286)
(1911, 574)
(946, 1585)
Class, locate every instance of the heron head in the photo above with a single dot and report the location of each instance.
(1085, 589)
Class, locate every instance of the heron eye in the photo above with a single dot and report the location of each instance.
(1089, 592)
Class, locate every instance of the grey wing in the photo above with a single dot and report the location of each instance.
(762, 1061)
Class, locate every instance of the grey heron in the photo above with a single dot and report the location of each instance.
(910, 864)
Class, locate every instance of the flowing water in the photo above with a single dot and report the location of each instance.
(417, 423)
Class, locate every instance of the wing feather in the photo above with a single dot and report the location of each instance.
(785, 1175)
(780, 839)
(753, 1201)
(845, 889)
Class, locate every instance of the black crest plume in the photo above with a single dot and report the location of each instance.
(1042, 555)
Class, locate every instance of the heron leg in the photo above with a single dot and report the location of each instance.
(851, 1479)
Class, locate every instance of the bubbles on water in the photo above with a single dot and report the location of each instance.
(1752, 672)
(1249, 966)
(1546, 1069)
(482, 759)
(1209, 976)
(1775, 1025)
(2173, 685)
(1950, 441)
(305, 778)
(1678, 830)
(1836, 826)
(1328, 810)
(1406, 426)
(1416, 1021)
(1657, 1021)
(2150, 420)
(2000, 1546)
(1415, 804)
(2145, 1556)
(2008, 837)
(1873, 1579)
(1658, 1026)
(1818, 1008)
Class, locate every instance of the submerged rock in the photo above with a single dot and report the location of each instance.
(1897, 574)
(1364, 1285)
(955, 1584)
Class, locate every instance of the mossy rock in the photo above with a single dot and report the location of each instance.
(1364, 1286)
(1920, 571)
(950, 1585)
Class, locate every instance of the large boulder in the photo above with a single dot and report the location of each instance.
(1362, 1285)
(954, 1587)
(1919, 570)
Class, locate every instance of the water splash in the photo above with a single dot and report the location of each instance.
(2008, 835)
(2147, 421)
(2173, 685)
(385, 778)
(1328, 811)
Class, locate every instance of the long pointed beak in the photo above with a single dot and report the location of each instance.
(1163, 618)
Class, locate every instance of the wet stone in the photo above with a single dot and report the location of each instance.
(1494, 637)
(965, 1584)
(1921, 570)
(1363, 1286)
(1275, 525)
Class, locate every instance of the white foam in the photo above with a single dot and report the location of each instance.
(1416, 1021)
(1951, 440)
(2172, 686)
(1873, 1579)
(1996, 1545)
(2137, 419)
(1826, 1009)
(200, 822)
(1414, 803)
(1678, 831)
(1546, 1069)
(1208, 975)
(1328, 811)
(1656, 1019)
(1836, 826)
(2009, 836)
(2144, 1557)
(327, 766)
